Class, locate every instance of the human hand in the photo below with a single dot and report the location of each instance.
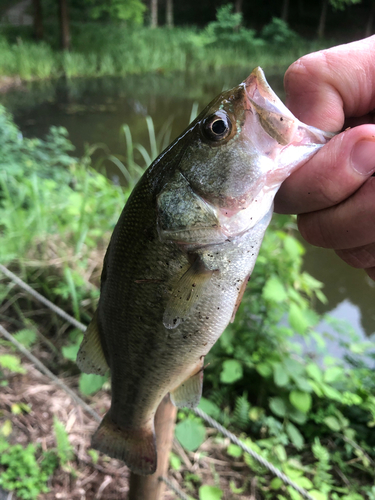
(334, 192)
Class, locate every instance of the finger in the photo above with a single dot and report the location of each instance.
(350, 224)
(324, 87)
(333, 174)
(360, 257)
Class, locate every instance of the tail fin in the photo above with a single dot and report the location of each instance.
(136, 447)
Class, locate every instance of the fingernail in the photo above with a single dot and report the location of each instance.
(363, 157)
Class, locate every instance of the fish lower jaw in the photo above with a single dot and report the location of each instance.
(246, 219)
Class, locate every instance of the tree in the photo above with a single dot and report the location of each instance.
(64, 24)
(238, 6)
(154, 13)
(38, 20)
(336, 4)
(285, 11)
(169, 13)
(322, 19)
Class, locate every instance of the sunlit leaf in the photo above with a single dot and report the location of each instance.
(232, 371)
(190, 433)
(301, 400)
(90, 383)
(210, 493)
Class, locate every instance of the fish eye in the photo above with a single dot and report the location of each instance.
(216, 127)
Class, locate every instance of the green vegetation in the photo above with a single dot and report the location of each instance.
(99, 50)
(313, 417)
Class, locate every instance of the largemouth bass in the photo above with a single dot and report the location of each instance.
(181, 255)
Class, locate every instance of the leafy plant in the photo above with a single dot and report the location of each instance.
(22, 472)
(64, 448)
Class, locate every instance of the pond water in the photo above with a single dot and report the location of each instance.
(93, 111)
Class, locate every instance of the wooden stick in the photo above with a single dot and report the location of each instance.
(149, 487)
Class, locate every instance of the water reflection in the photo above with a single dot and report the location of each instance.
(93, 111)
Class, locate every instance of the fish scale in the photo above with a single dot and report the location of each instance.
(180, 257)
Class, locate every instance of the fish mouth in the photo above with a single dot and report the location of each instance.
(276, 119)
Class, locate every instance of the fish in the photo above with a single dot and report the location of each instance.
(181, 255)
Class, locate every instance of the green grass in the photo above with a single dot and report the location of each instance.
(110, 50)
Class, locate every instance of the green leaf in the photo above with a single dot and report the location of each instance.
(280, 376)
(210, 408)
(12, 363)
(295, 435)
(303, 384)
(333, 373)
(274, 290)
(301, 400)
(332, 423)
(331, 392)
(175, 461)
(304, 482)
(255, 413)
(90, 383)
(276, 483)
(264, 369)
(70, 351)
(280, 452)
(210, 493)
(297, 319)
(296, 415)
(293, 247)
(232, 371)
(190, 433)
(234, 451)
(26, 337)
(314, 372)
(6, 428)
(350, 399)
(278, 406)
(318, 495)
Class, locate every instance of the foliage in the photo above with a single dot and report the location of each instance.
(130, 11)
(112, 49)
(227, 30)
(64, 448)
(277, 32)
(25, 470)
(342, 4)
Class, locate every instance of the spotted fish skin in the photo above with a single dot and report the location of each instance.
(180, 257)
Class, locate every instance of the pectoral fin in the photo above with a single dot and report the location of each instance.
(90, 357)
(189, 393)
(186, 293)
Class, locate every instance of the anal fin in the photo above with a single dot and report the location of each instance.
(189, 393)
(90, 357)
(186, 293)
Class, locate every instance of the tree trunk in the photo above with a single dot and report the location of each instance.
(150, 487)
(38, 20)
(64, 25)
(238, 6)
(169, 13)
(154, 13)
(370, 21)
(285, 11)
(322, 20)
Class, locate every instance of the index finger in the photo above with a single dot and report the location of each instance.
(325, 87)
